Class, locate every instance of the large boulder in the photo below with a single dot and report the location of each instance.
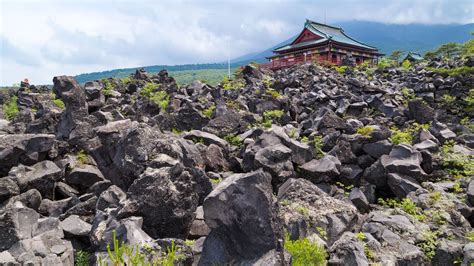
(322, 170)
(26, 149)
(41, 176)
(242, 216)
(305, 209)
(166, 198)
(68, 90)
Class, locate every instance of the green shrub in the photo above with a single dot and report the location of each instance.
(10, 108)
(81, 258)
(470, 236)
(209, 111)
(59, 103)
(365, 131)
(108, 87)
(406, 205)
(434, 197)
(229, 84)
(463, 70)
(429, 243)
(233, 140)
(469, 101)
(361, 236)
(406, 64)
(302, 210)
(273, 93)
(304, 252)
(126, 80)
(82, 157)
(341, 69)
(400, 137)
(149, 89)
(457, 164)
(322, 233)
(273, 114)
(318, 145)
(408, 94)
(448, 99)
(161, 98)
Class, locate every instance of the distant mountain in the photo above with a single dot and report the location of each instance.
(387, 37)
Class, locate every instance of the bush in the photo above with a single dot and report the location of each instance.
(149, 89)
(81, 258)
(400, 137)
(108, 87)
(457, 164)
(209, 111)
(365, 131)
(463, 70)
(406, 64)
(82, 157)
(341, 69)
(161, 98)
(318, 145)
(429, 243)
(10, 108)
(233, 140)
(273, 93)
(304, 252)
(268, 117)
(59, 103)
(448, 99)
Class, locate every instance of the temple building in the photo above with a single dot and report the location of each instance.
(321, 42)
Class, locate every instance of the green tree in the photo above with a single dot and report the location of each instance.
(396, 56)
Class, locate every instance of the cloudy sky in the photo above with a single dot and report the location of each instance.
(43, 38)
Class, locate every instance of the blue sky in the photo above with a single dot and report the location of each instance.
(41, 39)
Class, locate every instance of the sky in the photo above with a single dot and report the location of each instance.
(40, 39)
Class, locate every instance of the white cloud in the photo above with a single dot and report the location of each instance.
(40, 39)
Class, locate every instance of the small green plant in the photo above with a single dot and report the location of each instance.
(273, 114)
(292, 133)
(116, 256)
(233, 140)
(273, 93)
(436, 216)
(448, 100)
(408, 94)
(321, 232)
(209, 111)
(10, 108)
(304, 139)
(149, 89)
(215, 181)
(81, 157)
(429, 243)
(470, 236)
(457, 164)
(406, 205)
(318, 145)
(126, 80)
(59, 103)
(161, 98)
(108, 87)
(365, 131)
(229, 84)
(172, 256)
(368, 252)
(361, 236)
(469, 101)
(81, 258)
(406, 64)
(189, 242)
(400, 137)
(304, 252)
(341, 69)
(434, 197)
(457, 188)
(302, 210)
(285, 202)
(176, 131)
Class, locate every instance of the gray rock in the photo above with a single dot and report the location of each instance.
(26, 149)
(420, 111)
(468, 254)
(347, 250)
(470, 191)
(8, 188)
(377, 149)
(41, 176)
(405, 160)
(447, 252)
(166, 198)
(207, 138)
(401, 185)
(359, 200)
(321, 170)
(242, 216)
(84, 176)
(16, 224)
(74, 226)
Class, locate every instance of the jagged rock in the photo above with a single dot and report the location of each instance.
(74, 226)
(401, 185)
(166, 198)
(470, 191)
(26, 149)
(359, 200)
(74, 98)
(322, 170)
(405, 160)
(199, 227)
(84, 176)
(58, 207)
(347, 250)
(468, 254)
(41, 176)
(242, 216)
(207, 138)
(95, 97)
(8, 188)
(377, 149)
(420, 111)
(16, 224)
(447, 252)
(305, 207)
